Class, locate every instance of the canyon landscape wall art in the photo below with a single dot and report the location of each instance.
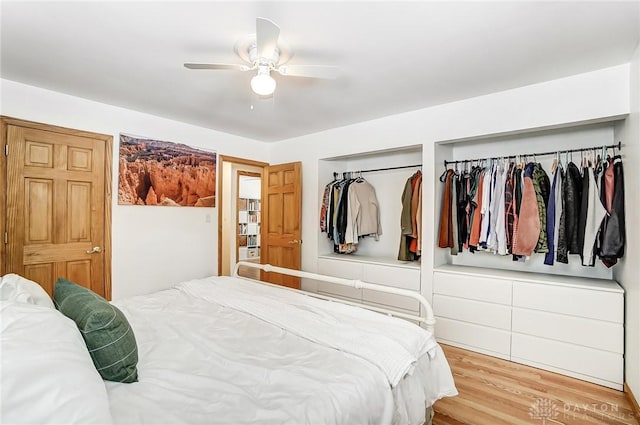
(164, 173)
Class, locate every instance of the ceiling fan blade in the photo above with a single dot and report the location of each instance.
(216, 66)
(267, 34)
(310, 71)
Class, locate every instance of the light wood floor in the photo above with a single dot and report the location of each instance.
(494, 391)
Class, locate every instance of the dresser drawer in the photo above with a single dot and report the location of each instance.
(468, 334)
(596, 334)
(398, 277)
(590, 362)
(479, 313)
(337, 268)
(592, 304)
(343, 269)
(472, 287)
(394, 301)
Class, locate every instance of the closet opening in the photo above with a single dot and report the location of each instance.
(374, 183)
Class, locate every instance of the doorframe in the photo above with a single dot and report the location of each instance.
(108, 160)
(222, 159)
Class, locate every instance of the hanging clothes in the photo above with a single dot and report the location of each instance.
(407, 220)
(594, 215)
(613, 237)
(418, 250)
(454, 213)
(551, 218)
(415, 199)
(561, 243)
(518, 186)
(474, 233)
(513, 208)
(349, 211)
(462, 191)
(324, 208)
(584, 207)
(501, 224)
(485, 209)
(529, 218)
(363, 212)
(445, 234)
(554, 215)
(509, 206)
(542, 188)
(572, 189)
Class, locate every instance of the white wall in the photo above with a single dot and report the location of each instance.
(153, 247)
(626, 272)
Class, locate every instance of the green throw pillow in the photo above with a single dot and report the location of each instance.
(106, 331)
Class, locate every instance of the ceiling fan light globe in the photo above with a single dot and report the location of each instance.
(263, 85)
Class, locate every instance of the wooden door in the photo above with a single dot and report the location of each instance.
(281, 230)
(58, 205)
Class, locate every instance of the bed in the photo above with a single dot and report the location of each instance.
(224, 350)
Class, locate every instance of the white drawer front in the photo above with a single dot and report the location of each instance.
(398, 277)
(343, 291)
(483, 337)
(472, 287)
(391, 300)
(480, 313)
(341, 297)
(337, 268)
(343, 269)
(600, 305)
(587, 361)
(576, 330)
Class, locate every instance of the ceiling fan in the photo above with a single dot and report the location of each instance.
(263, 53)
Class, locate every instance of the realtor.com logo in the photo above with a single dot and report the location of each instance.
(549, 411)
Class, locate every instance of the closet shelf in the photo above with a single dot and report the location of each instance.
(372, 260)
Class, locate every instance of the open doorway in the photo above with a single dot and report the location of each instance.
(240, 181)
(248, 220)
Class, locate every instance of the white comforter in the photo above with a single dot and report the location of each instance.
(216, 351)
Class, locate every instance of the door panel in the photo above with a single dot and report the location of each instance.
(78, 217)
(38, 211)
(57, 205)
(42, 273)
(281, 232)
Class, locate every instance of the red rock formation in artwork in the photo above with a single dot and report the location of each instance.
(161, 173)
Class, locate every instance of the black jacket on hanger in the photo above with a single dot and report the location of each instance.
(584, 207)
(613, 240)
(572, 188)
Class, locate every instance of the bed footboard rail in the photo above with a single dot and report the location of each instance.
(427, 317)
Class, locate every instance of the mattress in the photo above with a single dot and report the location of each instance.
(208, 356)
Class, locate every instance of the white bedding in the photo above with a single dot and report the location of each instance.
(205, 360)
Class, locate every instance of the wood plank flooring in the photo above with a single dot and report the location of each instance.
(494, 391)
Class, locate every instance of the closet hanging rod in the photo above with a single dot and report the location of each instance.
(382, 169)
(615, 146)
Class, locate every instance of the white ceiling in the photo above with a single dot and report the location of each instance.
(394, 56)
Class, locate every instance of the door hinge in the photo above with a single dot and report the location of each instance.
(6, 150)
(6, 238)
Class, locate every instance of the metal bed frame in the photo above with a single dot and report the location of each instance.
(426, 317)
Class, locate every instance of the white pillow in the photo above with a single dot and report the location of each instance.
(46, 372)
(14, 287)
